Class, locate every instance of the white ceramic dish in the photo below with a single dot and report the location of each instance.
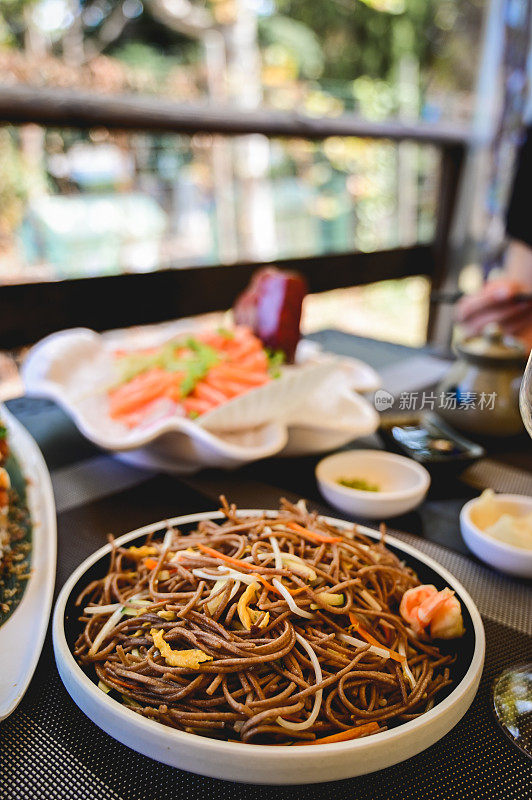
(179, 454)
(265, 764)
(330, 418)
(66, 367)
(358, 375)
(500, 556)
(74, 367)
(22, 635)
(403, 483)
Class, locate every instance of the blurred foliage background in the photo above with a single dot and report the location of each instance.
(66, 197)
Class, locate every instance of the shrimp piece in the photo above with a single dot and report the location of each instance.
(5, 486)
(412, 601)
(425, 607)
(447, 622)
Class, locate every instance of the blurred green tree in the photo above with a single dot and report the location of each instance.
(369, 37)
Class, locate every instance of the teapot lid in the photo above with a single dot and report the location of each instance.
(492, 347)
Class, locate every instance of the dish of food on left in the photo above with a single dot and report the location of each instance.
(27, 558)
(251, 637)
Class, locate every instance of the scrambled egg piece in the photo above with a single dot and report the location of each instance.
(177, 658)
(142, 552)
(249, 616)
(169, 616)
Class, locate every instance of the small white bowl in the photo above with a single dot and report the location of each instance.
(500, 556)
(403, 483)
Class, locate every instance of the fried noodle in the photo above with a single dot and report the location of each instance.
(262, 629)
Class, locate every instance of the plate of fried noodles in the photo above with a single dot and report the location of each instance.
(275, 647)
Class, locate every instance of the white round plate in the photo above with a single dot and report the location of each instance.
(269, 764)
(22, 634)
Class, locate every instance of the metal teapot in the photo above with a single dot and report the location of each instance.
(480, 393)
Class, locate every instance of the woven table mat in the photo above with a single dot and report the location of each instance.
(50, 751)
(490, 474)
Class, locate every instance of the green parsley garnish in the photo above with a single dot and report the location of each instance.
(193, 364)
(276, 359)
(226, 333)
(358, 483)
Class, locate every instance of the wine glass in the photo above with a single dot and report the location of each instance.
(525, 396)
(512, 690)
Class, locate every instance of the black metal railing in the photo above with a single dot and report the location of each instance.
(32, 310)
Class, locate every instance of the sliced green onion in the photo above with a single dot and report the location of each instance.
(128, 701)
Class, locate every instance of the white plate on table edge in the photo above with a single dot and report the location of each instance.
(266, 764)
(22, 635)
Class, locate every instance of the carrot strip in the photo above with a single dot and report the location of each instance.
(229, 388)
(123, 683)
(268, 586)
(235, 561)
(295, 592)
(256, 362)
(313, 536)
(140, 391)
(151, 563)
(197, 405)
(240, 375)
(208, 393)
(345, 736)
(371, 639)
(241, 350)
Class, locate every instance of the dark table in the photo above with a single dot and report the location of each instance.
(49, 749)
